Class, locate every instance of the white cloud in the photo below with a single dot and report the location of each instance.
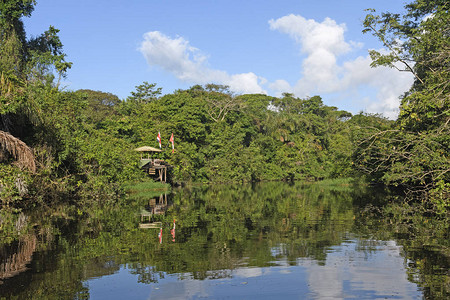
(188, 64)
(172, 55)
(389, 84)
(323, 43)
(313, 35)
(281, 86)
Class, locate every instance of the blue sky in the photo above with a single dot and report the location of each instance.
(304, 47)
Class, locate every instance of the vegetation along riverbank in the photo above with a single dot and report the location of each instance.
(77, 146)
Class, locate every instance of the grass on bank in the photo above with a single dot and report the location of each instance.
(146, 189)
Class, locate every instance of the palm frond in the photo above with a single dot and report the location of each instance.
(18, 150)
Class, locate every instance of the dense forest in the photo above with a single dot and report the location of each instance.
(78, 145)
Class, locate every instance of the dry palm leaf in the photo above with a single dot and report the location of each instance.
(18, 150)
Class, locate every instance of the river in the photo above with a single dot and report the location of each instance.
(252, 241)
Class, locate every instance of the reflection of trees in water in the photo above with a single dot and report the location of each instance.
(220, 228)
(223, 226)
(49, 254)
(15, 257)
(425, 243)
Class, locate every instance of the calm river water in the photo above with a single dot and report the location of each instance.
(262, 241)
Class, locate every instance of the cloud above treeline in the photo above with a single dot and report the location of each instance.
(321, 45)
(189, 64)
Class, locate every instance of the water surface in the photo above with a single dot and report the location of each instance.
(263, 241)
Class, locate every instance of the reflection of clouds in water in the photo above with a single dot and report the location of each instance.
(250, 272)
(256, 272)
(360, 270)
(325, 282)
(180, 290)
(355, 269)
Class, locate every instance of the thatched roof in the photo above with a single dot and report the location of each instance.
(19, 151)
(147, 149)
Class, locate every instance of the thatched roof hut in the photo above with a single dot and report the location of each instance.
(147, 149)
(152, 165)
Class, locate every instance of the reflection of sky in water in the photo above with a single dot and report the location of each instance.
(354, 270)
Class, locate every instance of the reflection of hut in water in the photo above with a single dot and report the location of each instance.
(15, 257)
(154, 167)
(156, 206)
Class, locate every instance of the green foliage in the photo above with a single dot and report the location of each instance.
(13, 37)
(100, 106)
(211, 126)
(145, 93)
(45, 54)
(14, 185)
(77, 155)
(84, 140)
(413, 153)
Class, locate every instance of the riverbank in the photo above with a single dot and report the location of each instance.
(149, 189)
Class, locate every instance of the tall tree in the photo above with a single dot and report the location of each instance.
(12, 65)
(414, 153)
(12, 35)
(26, 67)
(220, 101)
(100, 105)
(145, 93)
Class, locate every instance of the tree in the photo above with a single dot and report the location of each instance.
(45, 56)
(27, 70)
(100, 105)
(220, 101)
(12, 35)
(24, 62)
(12, 64)
(420, 42)
(145, 93)
(414, 153)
